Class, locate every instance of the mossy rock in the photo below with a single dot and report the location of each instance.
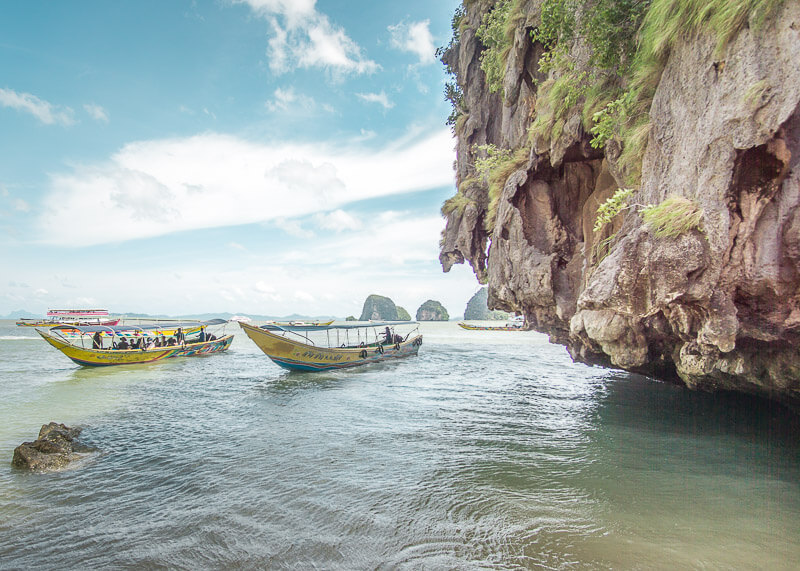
(402, 314)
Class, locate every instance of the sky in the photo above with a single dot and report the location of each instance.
(267, 157)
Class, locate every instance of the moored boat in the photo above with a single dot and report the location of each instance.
(104, 345)
(71, 317)
(342, 346)
(514, 324)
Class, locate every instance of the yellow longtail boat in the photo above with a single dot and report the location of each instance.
(101, 346)
(342, 346)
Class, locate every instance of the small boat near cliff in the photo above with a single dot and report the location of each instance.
(514, 324)
(71, 317)
(327, 347)
(104, 345)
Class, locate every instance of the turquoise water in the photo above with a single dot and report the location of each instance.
(489, 450)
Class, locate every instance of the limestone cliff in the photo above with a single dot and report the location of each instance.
(715, 304)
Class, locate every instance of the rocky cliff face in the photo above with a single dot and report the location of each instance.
(716, 306)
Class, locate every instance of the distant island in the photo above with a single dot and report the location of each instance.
(432, 311)
(478, 308)
(379, 308)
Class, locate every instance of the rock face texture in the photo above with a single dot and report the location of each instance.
(432, 311)
(380, 308)
(717, 307)
(55, 447)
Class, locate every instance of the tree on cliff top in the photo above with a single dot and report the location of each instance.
(432, 311)
(380, 308)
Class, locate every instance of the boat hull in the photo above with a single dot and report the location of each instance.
(488, 328)
(298, 356)
(109, 357)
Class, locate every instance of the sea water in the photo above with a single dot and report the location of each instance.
(488, 450)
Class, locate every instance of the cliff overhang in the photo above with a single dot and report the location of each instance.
(716, 305)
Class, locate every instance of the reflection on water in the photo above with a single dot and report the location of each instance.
(487, 450)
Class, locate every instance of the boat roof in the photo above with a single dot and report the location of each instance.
(142, 327)
(347, 325)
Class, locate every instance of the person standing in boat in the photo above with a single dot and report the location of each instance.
(180, 339)
(97, 341)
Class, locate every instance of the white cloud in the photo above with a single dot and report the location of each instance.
(303, 37)
(304, 296)
(21, 205)
(45, 112)
(338, 220)
(380, 98)
(153, 188)
(96, 112)
(293, 228)
(286, 99)
(415, 38)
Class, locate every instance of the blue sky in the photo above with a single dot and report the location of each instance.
(252, 156)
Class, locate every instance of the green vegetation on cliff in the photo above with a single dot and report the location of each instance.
(402, 314)
(629, 42)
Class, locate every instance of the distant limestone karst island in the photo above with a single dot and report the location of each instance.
(378, 307)
(478, 308)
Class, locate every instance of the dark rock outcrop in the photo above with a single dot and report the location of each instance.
(380, 308)
(56, 447)
(716, 307)
(432, 311)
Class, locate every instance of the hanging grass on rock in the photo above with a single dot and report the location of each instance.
(673, 217)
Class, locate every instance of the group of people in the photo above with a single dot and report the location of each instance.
(151, 342)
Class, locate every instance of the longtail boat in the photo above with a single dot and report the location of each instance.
(323, 348)
(513, 324)
(104, 345)
(71, 317)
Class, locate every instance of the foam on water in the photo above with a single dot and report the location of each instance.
(488, 450)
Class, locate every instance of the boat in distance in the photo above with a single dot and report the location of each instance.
(346, 345)
(513, 324)
(135, 344)
(71, 317)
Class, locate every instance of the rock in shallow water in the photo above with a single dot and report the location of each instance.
(55, 448)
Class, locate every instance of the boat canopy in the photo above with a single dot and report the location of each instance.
(141, 328)
(77, 313)
(348, 325)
